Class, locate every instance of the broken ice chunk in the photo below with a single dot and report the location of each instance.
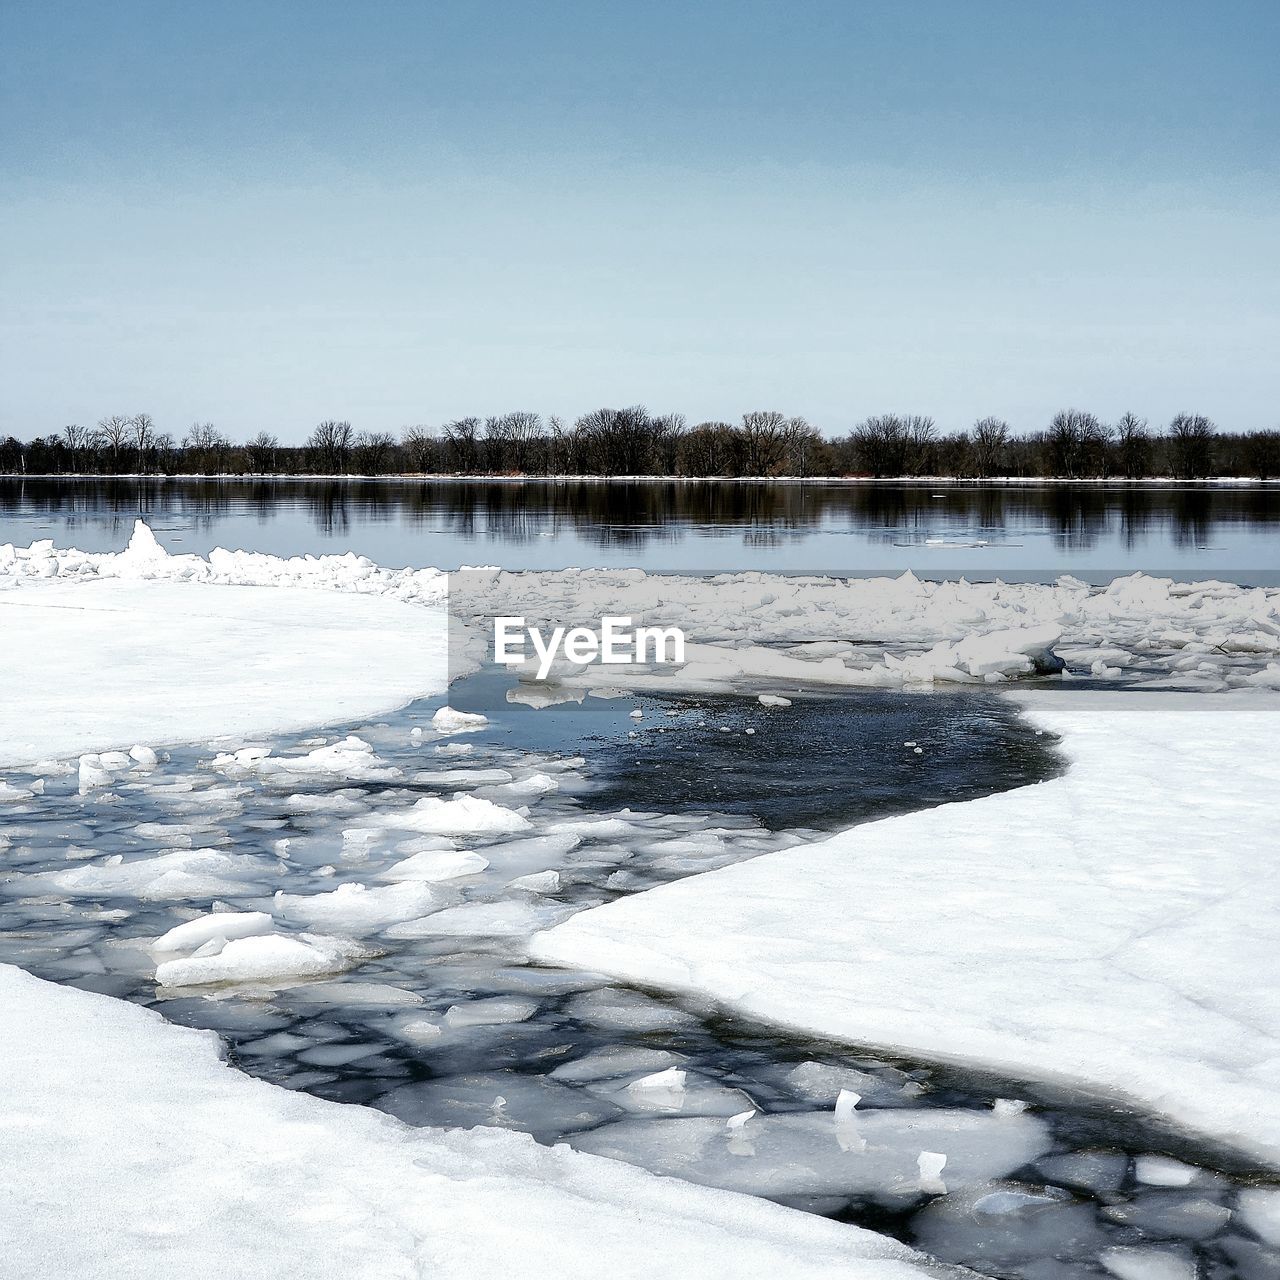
(448, 720)
(220, 924)
(930, 1164)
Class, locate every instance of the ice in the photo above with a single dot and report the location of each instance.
(1101, 1172)
(1003, 1224)
(355, 909)
(494, 1012)
(821, 1083)
(267, 661)
(196, 873)
(447, 720)
(364, 994)
(1251, 1260)
(436, 865)
(615, 1061)
(674, 1091)
(846, 1103)
(201, 1171)
(1172, 1214)
(595, 828)
(627, 1010)
(502, 1100)
(530, 855)
(1161, 1171)
(462, 777)
(482, 919)
(264, 958)
(463, 815)
(1096, 930)
(773, 700)
(538, 882)
(1129, 1263)
(324, 802)
(1259, 1210)
(797, 1154)
(220, 924)
(351, 757)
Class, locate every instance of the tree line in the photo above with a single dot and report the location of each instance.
(1075, 445)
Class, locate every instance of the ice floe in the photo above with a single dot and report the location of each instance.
(1115, 928)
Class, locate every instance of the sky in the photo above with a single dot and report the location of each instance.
(266, 214)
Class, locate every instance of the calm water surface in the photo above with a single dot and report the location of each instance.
(1092, 531)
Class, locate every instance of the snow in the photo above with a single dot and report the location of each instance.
(247, 661)
(182, 1166)
(1115, 928)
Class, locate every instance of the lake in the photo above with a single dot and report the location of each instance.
(1094, 531)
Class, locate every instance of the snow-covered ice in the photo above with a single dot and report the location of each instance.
(1115, 928)
(261, 958)
(104, 664)
(130, 1149)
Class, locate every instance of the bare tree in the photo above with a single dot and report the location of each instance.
(461, 443)
(617, 441)
(1191, 442)
(142, 432)
(921, 436)
(77, 439)
(260, 452)
(668, 431)
(1262, 453)
(331, 443)
(208, 449)
(1072, 443)
(373, 452)
(711, 449)
(800, 442)
(421, 446)
(763, 439)
(114, 432)
(518, 431)
(880, 444)
(990, 446)
(1133, 446)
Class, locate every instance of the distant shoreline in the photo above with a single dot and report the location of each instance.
(456, 477)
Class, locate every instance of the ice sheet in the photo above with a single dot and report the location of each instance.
(1116, 928)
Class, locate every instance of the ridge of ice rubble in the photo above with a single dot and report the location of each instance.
(760, 627)
(202, 1170)
(144, 557)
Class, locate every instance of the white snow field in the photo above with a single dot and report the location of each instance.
(1117, 928)
(127, 1148)
(98, 665)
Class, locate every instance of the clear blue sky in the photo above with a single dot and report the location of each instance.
(263, 214)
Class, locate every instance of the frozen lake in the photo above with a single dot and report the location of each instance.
(439, 1019)
(1034, 531)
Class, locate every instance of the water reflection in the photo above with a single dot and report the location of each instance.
(820, 526)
